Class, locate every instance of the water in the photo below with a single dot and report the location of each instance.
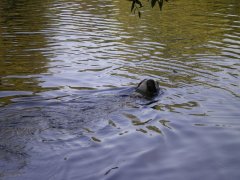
(67, 72)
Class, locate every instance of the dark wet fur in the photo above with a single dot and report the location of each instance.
(151, 87)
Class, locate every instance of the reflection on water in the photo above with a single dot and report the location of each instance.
(67, 109)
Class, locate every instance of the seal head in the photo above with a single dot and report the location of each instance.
(148, 88)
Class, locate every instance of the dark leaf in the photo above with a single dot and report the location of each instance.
(160, 3)
(153, 2)
(139, 14)
(139, 3)
(133, 4)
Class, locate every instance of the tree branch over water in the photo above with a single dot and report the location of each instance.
(137, 4)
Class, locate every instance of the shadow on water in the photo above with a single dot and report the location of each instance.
(88, 115)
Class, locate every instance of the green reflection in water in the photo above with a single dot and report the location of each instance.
(187, 38)
(23, 46)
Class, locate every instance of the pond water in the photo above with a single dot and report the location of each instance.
(67, 72)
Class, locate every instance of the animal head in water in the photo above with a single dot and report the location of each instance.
(148, 88)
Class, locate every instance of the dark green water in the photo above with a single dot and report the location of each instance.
(67, 69)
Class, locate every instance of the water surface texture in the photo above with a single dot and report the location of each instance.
(67, 105)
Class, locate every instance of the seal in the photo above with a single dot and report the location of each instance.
(148, 88)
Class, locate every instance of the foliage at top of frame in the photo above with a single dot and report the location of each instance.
(137, 4)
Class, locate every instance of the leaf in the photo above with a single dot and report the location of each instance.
(153, 2)
(139, 14)
(160, 3)
(139, 3)
(133, 4)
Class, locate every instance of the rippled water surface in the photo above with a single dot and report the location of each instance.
(67, 103)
